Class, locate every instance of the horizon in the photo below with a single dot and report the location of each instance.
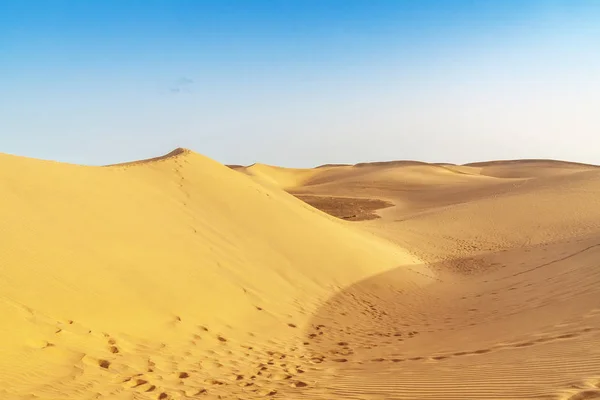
(301, 83)
(353, 164)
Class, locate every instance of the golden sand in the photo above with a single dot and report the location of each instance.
(179, 277)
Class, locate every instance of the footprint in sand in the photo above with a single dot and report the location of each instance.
(524, 344)
(461, 353)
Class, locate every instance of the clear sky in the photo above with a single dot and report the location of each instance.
(300, 82)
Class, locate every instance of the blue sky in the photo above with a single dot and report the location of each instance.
(300, 82)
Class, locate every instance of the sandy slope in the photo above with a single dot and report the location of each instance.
(515, 310)
(279, 177)
(178, 277)
(163, 279)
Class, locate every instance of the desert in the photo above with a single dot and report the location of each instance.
(299, 200)
(179, 277)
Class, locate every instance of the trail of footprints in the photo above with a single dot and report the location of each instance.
(248, 370)
(342, 352)
(541, 340)
(209, 365)
(240, 370)
(262, 373)
(255, 372)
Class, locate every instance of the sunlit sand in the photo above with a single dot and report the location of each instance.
(178, 277)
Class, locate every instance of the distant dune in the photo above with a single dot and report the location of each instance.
(529, 168)
(177, 277)
(538, 162)
(332, 165)
(397, 163)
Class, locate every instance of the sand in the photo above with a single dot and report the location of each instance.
(178, 277)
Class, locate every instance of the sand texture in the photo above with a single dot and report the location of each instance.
(178, 277)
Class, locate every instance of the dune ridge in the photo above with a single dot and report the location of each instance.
(180, 151)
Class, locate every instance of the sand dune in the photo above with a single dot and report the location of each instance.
(529, 168)
(278, 176)
(177, 277)
(147, 271)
